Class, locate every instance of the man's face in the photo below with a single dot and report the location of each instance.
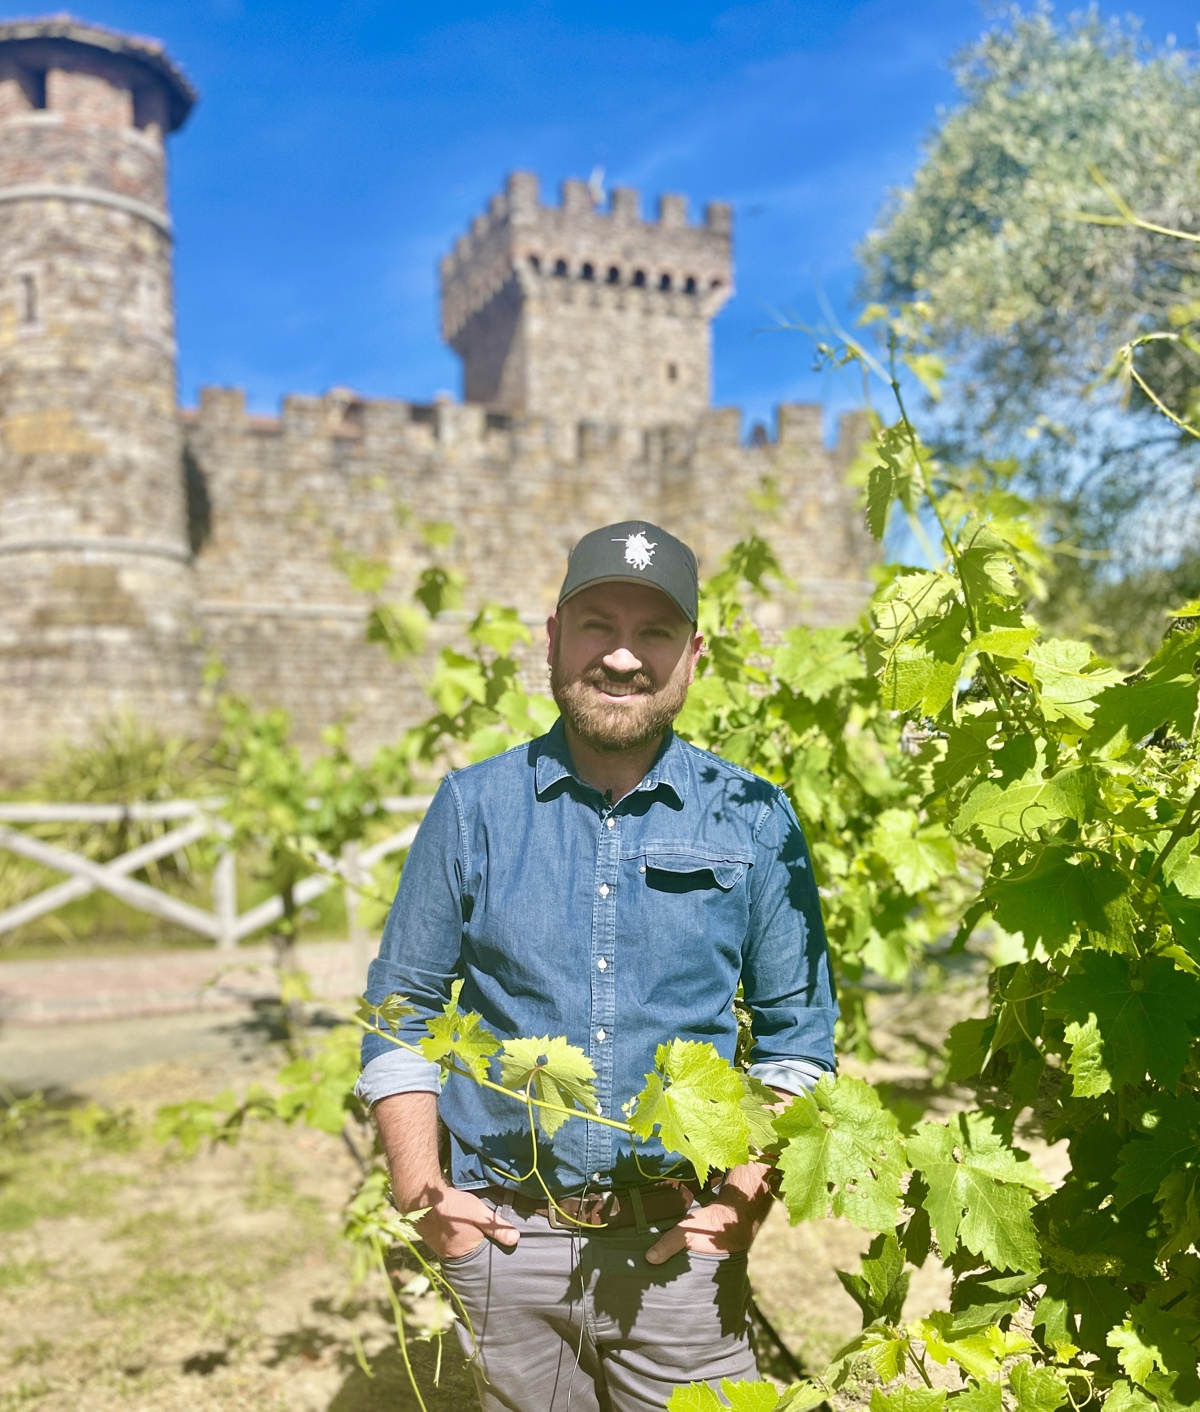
(622, 657)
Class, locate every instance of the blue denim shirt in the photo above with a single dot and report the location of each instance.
(618, 926)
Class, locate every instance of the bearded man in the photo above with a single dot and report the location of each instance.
(612, 884)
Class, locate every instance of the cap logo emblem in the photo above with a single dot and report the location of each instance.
(638, 550)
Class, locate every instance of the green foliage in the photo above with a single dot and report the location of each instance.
(1012, 250)
(552, 1071)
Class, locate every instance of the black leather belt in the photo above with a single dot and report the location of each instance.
(631, 1206)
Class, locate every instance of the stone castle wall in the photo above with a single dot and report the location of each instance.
(330, 474)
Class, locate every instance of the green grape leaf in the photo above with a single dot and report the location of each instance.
(908, 1399)
(979, 1396)
(1006, 811)
(499, 629)
(1124, 1397)
(1139, 1014)
(980, 1191)
(455, 1036)
(881, 1288)
(1164, 694)
(978, 1353)
(1172, 1126)
(554, 1072)
(881, 491)
(739, 1397)
(842, 1154)
(814, 662)
(968, 752)
(387, 1014)
(456, 681)
(968, 1046)
(1004, 642)
(909, 602)
(756, 1105)
(1069, 677)
(801, 1397)
(1053, 897)
(694, 1098)
(919, 855)
(1037, 1389)
(1138, 1357)
(319, 1087)
(1085, 1063)
(978, 1301)
(884, 1347)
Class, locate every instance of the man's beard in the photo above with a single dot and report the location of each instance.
(605, 725)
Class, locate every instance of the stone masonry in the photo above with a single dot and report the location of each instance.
(137, 539)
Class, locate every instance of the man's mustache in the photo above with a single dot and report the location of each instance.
(601, 677)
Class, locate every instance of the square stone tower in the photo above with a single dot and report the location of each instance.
(579, 314)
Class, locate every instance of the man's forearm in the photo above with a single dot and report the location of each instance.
(407, 1124)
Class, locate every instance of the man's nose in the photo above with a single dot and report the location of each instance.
(622, 660)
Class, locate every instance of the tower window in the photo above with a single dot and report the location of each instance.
(535, 264)
(690, 286)
(664, 282)
(639, 278)
(35, 87)
(29, 299)
(672, 372)
(560, 268)
(716, 284)
(588, 272)
(614, 275)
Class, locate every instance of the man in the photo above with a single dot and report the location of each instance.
(611, 884)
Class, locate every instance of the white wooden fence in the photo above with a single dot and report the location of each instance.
(194, 819)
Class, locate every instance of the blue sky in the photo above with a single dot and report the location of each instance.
(339, 148)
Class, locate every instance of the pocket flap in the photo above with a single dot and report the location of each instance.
(727, 870)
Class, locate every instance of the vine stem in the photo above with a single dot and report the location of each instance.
(498, 1088)
(1002, 697)
(398, 1316)
(1179, 832)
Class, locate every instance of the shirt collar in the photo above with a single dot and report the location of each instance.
(553, 764)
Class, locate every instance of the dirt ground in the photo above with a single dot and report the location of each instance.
(132, 1277)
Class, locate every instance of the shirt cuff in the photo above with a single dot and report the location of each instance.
(397, 1071)
(791, 1075)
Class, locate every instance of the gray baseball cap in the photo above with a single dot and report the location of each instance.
(638, 551)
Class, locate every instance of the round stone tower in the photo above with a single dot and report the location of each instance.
(95, 576)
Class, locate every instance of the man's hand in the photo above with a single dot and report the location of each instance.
(458, 1221)
(725, 1225)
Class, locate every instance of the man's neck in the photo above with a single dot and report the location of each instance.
(615, 773)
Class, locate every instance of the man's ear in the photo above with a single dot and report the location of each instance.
(697, 651)
(551, 635)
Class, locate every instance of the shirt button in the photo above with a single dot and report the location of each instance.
(601, 1036)
(611, 822)
(603, 889)
(642, 868)
(602, 964)
(595, 1176)
(599, 1111)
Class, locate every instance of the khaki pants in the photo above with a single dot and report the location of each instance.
(577, 1321)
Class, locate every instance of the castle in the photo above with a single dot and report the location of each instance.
(138, 539)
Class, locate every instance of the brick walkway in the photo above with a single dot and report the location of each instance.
(163, 983)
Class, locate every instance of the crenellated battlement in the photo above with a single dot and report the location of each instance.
(611, 248)
(586, 309)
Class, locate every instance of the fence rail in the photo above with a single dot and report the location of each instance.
(196, 819)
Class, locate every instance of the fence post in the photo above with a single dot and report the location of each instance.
(225, 899)
(360, 942)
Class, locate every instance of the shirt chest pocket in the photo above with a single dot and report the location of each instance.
(669, 868)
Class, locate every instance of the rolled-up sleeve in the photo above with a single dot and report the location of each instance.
(419, 953)
(786, 979)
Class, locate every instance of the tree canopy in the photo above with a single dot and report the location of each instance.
(1059, 120)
